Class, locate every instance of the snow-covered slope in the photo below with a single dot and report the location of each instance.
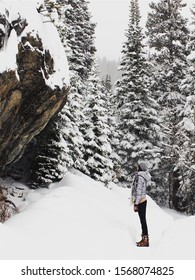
(79, 218)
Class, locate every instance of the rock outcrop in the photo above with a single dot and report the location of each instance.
(27, 101)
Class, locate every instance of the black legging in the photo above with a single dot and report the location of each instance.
(142, 216)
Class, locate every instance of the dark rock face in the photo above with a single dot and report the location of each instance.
(26, 102)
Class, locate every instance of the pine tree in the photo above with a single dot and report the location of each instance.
(107, 83)
(73, 119)
(76, 30)
(110, 105)
(80, 52)
(137, 116)
(168, 36)
(47, 165)
(186, 162)
(80, 36)
(97, 148)
(186, 127)
(191, 44)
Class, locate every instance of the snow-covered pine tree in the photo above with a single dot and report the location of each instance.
(97, 148)
(47, 165)
(80, 48)
(137, 116)
(80, 32)
(73, 119)
(168, 37)
(107, 83)
(108, 92)
(186, 129)
(186, 162)
(73, 21)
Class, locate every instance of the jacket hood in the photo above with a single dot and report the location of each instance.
(146, 175)
(143, 166)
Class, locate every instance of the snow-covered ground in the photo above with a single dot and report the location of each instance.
(79, 219)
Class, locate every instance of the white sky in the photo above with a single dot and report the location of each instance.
(112, 17)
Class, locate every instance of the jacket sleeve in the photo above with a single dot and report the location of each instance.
(139, 189)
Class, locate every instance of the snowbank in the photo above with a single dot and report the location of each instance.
(79, 218)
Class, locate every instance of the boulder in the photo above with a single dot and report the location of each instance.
(28, 98)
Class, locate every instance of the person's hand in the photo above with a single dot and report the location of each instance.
(135, 207)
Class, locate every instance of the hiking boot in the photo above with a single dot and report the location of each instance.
(140, 240)
(144, 242)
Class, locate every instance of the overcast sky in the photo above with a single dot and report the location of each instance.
(111, 17)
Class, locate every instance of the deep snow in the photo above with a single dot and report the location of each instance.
(79, 219)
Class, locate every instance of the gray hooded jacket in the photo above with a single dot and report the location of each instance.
(141, 180)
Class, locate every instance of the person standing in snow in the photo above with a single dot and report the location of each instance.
(141, 180)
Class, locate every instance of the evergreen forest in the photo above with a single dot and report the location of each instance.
(148, 114)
